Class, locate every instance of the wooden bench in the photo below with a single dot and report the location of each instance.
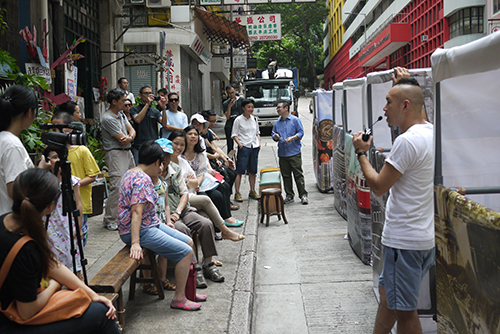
(110, 279)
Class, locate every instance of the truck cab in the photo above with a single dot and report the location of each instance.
(267, 93)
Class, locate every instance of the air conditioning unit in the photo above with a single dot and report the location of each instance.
(158, 3)
(136, 2)
(424, 38)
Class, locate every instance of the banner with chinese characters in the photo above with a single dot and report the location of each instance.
(210, 2)
(262, 27)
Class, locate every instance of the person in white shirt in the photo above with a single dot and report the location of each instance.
(246, 134)
(18, 109)
(123, 84)
(408, 236)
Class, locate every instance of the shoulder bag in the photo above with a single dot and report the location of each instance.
(62, 305)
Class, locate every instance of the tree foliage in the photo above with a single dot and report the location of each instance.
(301, 43)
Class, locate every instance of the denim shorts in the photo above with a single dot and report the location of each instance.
(402, 274)
(248, 159)
(162, 240)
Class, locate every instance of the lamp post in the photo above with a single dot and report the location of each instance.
(364, 21)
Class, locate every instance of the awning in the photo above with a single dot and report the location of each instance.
(221, 30)
(387, 42)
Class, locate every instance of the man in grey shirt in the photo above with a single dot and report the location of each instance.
(117, 135)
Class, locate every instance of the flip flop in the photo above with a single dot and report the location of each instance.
(238, 223)
(239, 238)
(186, 307)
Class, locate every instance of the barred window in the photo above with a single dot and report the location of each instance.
(467, 21)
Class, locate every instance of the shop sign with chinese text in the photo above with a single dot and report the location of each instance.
(262, 27)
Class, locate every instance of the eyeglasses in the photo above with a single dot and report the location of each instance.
(147, 93)
(173, 100)
(128, 105)
(55, 156)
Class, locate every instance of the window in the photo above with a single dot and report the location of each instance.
(496, 6)
(467, 21)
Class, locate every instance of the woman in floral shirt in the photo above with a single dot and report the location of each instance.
(139, 226)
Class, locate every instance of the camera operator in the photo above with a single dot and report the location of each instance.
(117, 136)
(146, 119)
(18, 109)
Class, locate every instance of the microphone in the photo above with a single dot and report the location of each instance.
(78, 126)
(368, 131)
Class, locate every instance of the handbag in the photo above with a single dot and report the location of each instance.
(191, 284)
(62, 305)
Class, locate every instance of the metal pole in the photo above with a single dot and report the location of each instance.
(231, 74)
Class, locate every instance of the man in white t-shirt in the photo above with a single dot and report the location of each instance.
(408, 236)
(123, 85)
(176, 120)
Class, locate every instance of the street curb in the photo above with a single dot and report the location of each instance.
(240, 319)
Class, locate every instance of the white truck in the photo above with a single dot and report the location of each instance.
(268, 92)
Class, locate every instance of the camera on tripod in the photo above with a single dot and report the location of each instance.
(57, 140)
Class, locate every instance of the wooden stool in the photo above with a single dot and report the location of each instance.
(266, 210)
(155, 275)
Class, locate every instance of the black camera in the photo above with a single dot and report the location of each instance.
(157, 98)
(57, 140)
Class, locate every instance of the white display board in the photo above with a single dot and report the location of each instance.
(354, 105)
(337, 95)
(469, 101)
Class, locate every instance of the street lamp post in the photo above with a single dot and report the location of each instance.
(364, 21)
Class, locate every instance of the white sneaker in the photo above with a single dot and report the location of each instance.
(304, 200)
(112, 226)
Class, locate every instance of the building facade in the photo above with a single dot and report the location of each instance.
(382, 34)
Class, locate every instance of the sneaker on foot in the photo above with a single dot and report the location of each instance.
(237, 197)
(112, 226)
(289, 200)
(253, 194)
(200, 280)
(304, 200)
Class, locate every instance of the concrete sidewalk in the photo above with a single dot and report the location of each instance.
(297, 278)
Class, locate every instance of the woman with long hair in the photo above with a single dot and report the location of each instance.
(195, 155)
(35, 192)
(18, 109)
(200, 202)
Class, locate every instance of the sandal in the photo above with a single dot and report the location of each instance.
(211, 272)
(201, 298)
(237, 223)
(149, 289)
(167, 285)
(217, 263)
(182, 305)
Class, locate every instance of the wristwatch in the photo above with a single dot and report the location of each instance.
(359, 154)
(178, 212)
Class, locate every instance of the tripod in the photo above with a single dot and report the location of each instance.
(69, 205)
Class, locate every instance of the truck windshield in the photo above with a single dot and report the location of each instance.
(268, 94)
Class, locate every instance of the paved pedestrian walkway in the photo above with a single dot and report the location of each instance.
(297, 278)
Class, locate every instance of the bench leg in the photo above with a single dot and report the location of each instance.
(131, 293)
(156, 275)
(268, 213)
(121, 311)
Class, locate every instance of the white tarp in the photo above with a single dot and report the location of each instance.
(469, 94)
(354, 105)
(337, 102)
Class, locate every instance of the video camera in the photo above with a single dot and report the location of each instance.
(58, 140)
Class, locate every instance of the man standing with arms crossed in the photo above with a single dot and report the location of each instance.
(288, 132)
(408, 236)
(117, 136)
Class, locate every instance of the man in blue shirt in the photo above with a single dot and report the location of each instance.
(288, 131)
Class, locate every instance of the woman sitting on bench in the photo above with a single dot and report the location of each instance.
(35, 193)
(139, 226)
